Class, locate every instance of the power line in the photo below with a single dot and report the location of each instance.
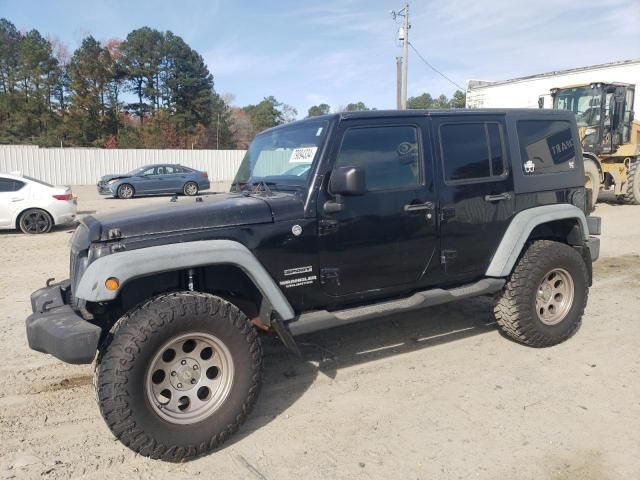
(435, 69)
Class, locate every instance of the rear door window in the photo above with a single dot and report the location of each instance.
(546, 147)
(389, 155)
(472, 151)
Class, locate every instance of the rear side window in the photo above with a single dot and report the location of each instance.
(10, 185)
(546, 146)
(472, 151)
(388, 155)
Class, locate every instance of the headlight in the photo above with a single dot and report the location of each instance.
(111, 182)
(589, 131)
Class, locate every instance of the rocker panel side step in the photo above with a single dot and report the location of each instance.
(320, 320)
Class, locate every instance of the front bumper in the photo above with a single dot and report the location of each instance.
(593, 244)
(104, 189)
(55, 328)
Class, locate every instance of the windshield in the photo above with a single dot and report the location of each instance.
(583, 101)
(283, 155)
(137, 171)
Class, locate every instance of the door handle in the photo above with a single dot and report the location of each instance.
(17, 199)
(415, 207)
(497, 198)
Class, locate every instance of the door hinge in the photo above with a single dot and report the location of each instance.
(327, 227)
(447, 255)
(330, 274)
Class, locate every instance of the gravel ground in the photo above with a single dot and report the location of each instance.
(433, 394)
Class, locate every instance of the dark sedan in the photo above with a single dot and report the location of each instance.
(154, 179)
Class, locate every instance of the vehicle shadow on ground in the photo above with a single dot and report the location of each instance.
(56, 228)
(287, 377)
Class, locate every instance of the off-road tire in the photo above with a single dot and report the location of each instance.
(123, 360)
(592, 178)
(515, 309)
(35, 221)
(190, 189)
(632, 195)
(126, 191)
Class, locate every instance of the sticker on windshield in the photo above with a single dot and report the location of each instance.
(303, 155)
(319, 132)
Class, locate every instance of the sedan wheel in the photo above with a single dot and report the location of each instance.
(35, 221)
(190, 189)
(125, 191)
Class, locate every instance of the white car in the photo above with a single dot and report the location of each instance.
(34, 206)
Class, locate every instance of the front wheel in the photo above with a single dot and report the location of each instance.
(125, 191)
(544, 299)
(592, 178)
(179, 375)
(190, 189)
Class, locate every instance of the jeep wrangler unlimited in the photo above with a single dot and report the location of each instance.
(330, 220)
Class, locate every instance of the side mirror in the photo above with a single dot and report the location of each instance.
(348, 181)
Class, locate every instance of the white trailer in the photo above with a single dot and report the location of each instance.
(527, 92)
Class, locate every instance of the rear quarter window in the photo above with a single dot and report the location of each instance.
(10, 185)
(546, 146)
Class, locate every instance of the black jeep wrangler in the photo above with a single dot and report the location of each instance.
(330, 220)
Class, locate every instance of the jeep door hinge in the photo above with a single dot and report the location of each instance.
(446, 256)
(330, 274)
(326, 227)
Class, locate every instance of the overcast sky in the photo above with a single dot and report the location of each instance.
(341, 51)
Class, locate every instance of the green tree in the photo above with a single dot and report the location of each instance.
(92, 113)
(141, 57)
(459, 99)
(422, 101)
(316, 110)
(9, 41)
(356, 107)
(266, 114)
(427, 101)
(36, 68)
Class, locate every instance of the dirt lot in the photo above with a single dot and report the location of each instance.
(434, 394)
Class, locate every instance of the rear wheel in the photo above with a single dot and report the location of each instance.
(592, 178)
(190, 189)
(125, 191)
(35, 221)
(544, 299)
(179, 375)
(632, 195)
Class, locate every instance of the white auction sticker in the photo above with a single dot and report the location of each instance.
(303, 155)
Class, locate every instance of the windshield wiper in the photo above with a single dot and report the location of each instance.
(262, 186)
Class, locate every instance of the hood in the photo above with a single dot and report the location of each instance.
(184, 215)
(106, 178)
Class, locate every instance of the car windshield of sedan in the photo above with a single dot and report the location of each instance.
(140, 171)
(282, 156)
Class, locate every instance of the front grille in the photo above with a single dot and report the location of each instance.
(79, 258)
(78, 264)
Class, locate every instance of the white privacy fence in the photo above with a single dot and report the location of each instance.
(84, 166)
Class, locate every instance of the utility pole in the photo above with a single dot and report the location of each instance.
(399, 83)
(403, 36)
